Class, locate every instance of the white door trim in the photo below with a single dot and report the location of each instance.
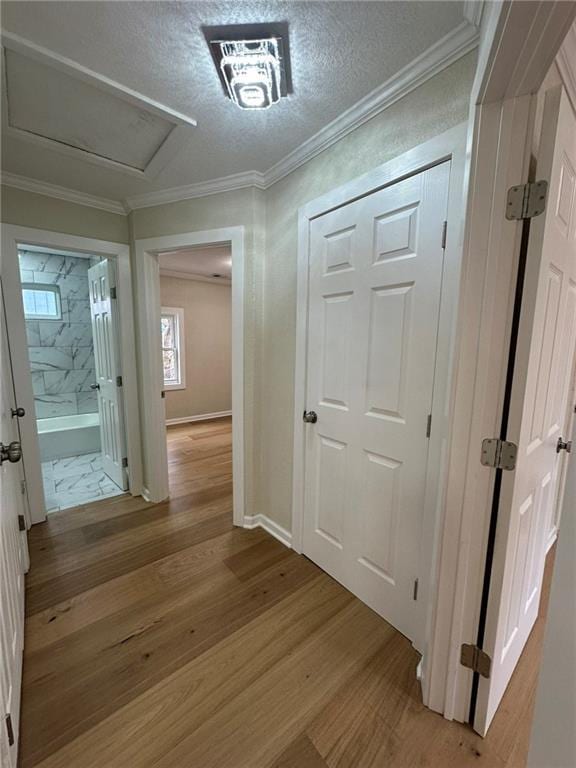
(153, 413)
(518, 45)
(450, 145)
(12, 237)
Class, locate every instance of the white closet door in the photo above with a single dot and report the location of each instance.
(105, 328)
(374, 297)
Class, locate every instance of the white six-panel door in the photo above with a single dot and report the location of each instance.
(374, 295)
(13, 563)
(539, 410)
(104, 310)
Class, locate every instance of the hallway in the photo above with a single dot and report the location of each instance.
(159, 635)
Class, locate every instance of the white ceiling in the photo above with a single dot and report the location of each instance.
(205, 260)
(340, 51)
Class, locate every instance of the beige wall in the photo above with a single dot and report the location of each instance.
(436, 106)
(207, 343)
(27, 209)
(270, 222)
(245, 208)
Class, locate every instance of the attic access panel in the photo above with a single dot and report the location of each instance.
(65, 107)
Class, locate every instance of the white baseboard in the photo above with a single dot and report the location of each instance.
(261, 521)
(200, 417)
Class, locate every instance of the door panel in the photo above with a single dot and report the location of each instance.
(374, 297)
(105, 328)
(539, 414)
(13, 562)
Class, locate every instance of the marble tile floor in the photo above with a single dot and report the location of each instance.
(76, 480)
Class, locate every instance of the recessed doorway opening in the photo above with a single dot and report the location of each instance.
(192, 350)
(196, 341)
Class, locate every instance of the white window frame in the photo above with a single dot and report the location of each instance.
(178, 313)
(46, 288)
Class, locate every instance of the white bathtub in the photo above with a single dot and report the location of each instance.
(63, 436)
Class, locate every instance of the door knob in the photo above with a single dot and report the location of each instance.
(310, 417)
(94, 386)
(563, 446)
(20, 412)
(11, 452)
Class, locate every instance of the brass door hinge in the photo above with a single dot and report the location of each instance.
(476, 659)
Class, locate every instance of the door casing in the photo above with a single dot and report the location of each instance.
(518, 44)
(13, 237)
(153, 417)
(451, 146)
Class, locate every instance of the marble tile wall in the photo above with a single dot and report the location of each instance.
(61, 352)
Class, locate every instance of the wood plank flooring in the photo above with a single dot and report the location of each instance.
(159, 636)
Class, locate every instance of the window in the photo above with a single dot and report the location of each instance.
(172, 329)
(41, 302)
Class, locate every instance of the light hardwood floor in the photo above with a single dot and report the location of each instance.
(159, 636)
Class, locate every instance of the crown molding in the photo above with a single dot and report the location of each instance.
(457, 43)
(198, 278)
(62, 193)
(453, 46)
(201, 189)
(566, 63)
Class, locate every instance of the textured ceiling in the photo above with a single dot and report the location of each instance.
(203, 260)
(340, 51)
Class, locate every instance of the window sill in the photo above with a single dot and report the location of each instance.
(170, 387)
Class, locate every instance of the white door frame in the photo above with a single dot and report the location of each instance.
(153, 413)
(518, 44)
(451, 146)
(14, 236)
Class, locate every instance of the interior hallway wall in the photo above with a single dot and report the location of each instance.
(28, 209)
(243, 207)
(208, 346)
(270, 264)
(439, 104)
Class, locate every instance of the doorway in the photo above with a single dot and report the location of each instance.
(196, 341)
(226, 246)
(79, 442)
(71, 331)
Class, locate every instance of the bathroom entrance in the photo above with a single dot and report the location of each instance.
(71, 317)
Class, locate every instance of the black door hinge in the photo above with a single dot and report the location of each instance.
(21, 523)
(118, 381)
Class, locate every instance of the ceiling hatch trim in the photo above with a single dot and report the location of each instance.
(62, 193)
(179, 123)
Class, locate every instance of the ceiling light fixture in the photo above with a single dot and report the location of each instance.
(251, 63)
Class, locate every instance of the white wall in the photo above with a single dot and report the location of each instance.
(208, 346)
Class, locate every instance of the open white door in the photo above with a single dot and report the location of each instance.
(104, 310)
(538, 411)
(13, 561)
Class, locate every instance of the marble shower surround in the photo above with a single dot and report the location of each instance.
(61, 352)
